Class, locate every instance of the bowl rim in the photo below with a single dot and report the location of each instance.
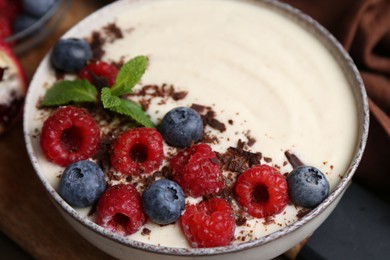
(353, 75)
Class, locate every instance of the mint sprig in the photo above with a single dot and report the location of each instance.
(125, 107)
(129, 75)
(67, 91)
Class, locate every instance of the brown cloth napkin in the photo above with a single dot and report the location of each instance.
(363, 28)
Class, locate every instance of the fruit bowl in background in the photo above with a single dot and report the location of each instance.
(266, 247)
(24, 40)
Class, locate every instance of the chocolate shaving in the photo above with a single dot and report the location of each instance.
(199, 108)
(301, 213)
(208, 138)
(164, 92)
(238, 160)
(227, 194)
(209, 117)
(92, 210)
(179, 95)
(114, 31)
(269, 220)
(240, 144)
(146, 232)
(293, 159)
(102, 155)
(251, 140)
(96, 43)
(240, 221)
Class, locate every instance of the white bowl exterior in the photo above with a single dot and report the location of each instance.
(264, 248)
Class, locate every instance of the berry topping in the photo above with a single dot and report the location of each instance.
(262, 191)
(82, 183)
(181, 127)
(196, 170)
(70, 55)
(209, 223)
(307, 186)
(138, 150)
(119, 210)
(99, 73)
(163, 201)
(37, 7)
(69, 135)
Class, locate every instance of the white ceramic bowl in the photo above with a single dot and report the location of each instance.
(266, 247)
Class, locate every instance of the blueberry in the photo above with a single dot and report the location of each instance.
(37, 7)
(307, 186)
(163, 201)
(71, 55)
(22, 22)
(181, 126)
(82, 183)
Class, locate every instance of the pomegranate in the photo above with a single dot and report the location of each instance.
(13, 86)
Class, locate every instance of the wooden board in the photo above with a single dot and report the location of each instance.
(26, 213)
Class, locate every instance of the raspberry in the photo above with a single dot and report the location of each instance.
(70, 134)
(99, 73)
(262, 191)
(138, 150)
(209, 223)
(196, 170)
(119, 210)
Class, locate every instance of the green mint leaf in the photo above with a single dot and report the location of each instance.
(125, 107)
(67, 91)
(108, 99)
(135, 111)
(129, 75)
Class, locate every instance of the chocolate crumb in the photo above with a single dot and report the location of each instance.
(146, 232)
(179, 95)
(251, 140)
(114, 31)
(240, 221)
(238, 160)
(267, 159)
(209, 117)
(96, 43)
(199, 108)
(301, 213)
(92, 210)
(269, 220)
(240, 144)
